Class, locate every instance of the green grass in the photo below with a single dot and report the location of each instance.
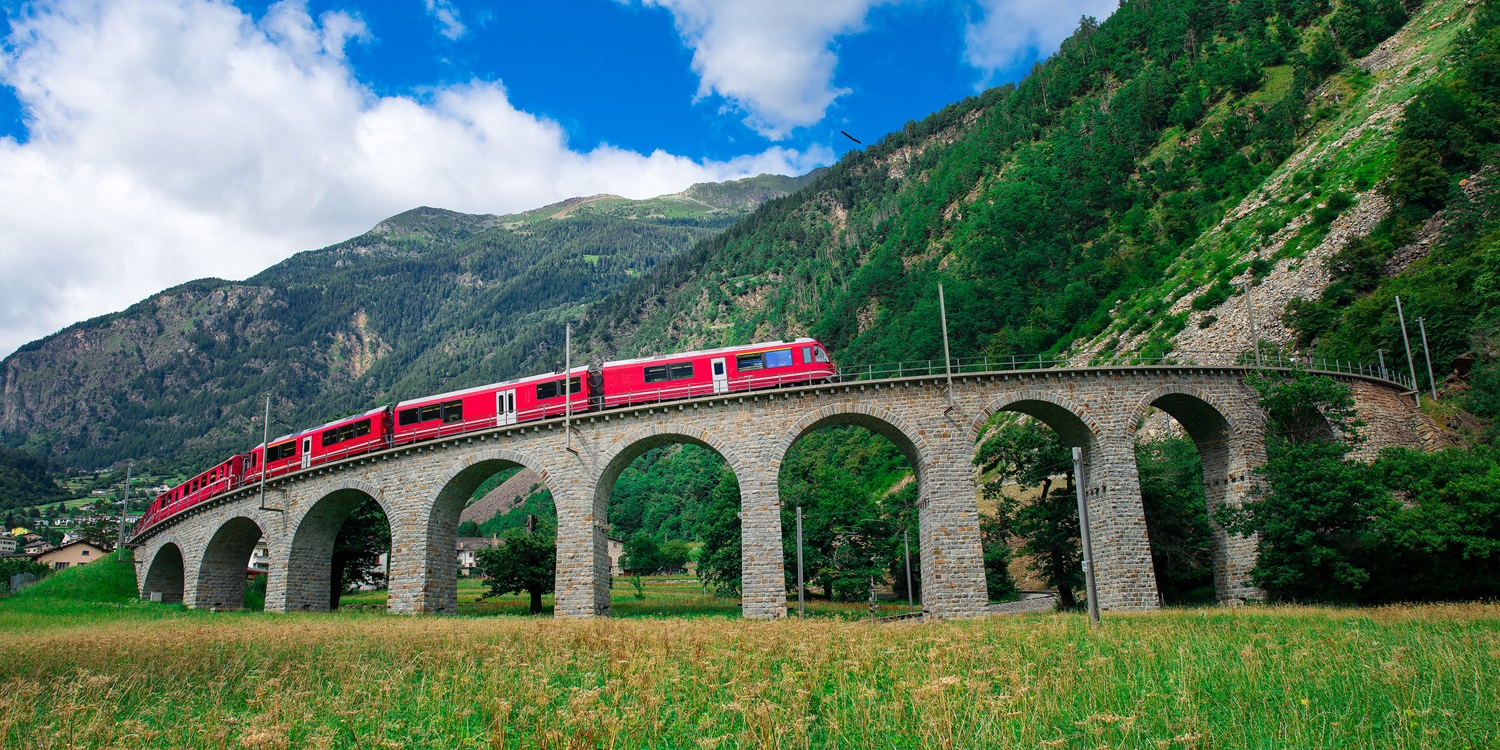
(1262, 677)
(85, 665)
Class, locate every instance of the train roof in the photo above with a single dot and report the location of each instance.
(502, 384)
(720, 350)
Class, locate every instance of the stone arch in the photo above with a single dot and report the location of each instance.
(225, 563)
(638, 443)
(1218, 432)
(309, 565)
(1071, 423)
(1203, 415)
(881, 421)
(435, 549)
(1122, 552)
(166, 573)
(941, 510)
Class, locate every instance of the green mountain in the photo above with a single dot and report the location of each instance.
(1119, 197)
(1329, 154)
(425, 301)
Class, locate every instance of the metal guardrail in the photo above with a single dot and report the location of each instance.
(1014, 363)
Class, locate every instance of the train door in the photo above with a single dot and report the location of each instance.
(505, 408)
(306, 452)
(721, 376)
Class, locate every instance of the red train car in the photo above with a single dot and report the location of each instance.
(216, 481)
(736, 368)
(338, 439)
(494, 405)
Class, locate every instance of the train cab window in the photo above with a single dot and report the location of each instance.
(554, 388)
(284, 450)
(819, 355)
(807, 355)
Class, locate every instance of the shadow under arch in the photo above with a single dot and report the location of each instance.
(1207, 423)
(1058, 413)
(226, 562)
(436, 551)
(634, 446)
(166, 574)
(309, 587)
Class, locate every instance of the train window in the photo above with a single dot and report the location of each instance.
(430, 412)
(284, 450)
(407, 416)
(554, 388)
(682, 370)
(779, 358)
(806, 355)
(453, 411)
(819, 355)
(347, 432)
(749, 362)
(657, 374)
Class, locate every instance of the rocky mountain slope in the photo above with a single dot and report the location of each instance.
(425, 301)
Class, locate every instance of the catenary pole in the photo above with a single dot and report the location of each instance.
(947, 358)
(1410, 365)
(1254, 336)
(1380, 353)
(265, 451)
(124, 509)
(911, 602)
(1088, 545)
(568, 383)
(1427, 354)
(801, 598)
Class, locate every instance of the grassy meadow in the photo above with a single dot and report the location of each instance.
(120, 673)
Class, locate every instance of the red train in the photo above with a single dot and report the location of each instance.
(615, 384)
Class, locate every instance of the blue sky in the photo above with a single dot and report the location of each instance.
(149, 142)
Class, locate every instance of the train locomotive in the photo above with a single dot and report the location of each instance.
(613, 385)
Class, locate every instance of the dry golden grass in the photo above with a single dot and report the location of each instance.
(143, 676)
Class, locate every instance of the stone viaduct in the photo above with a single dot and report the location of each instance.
(201, 555)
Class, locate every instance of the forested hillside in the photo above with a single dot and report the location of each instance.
(1106, 202)
(426, 301)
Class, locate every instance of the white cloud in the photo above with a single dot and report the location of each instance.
(770, 58)
(176, 139)
(1009, 31)
(446, 14)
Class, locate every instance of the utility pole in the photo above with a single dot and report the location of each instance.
(801, 600)
(1380, 354)
(1410, 366)
(568, 384)
(1431, 381)
(1088, 545)
(947, 359)
(911, 602)
(265, 451)
(1254, 336)
(124, 509)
